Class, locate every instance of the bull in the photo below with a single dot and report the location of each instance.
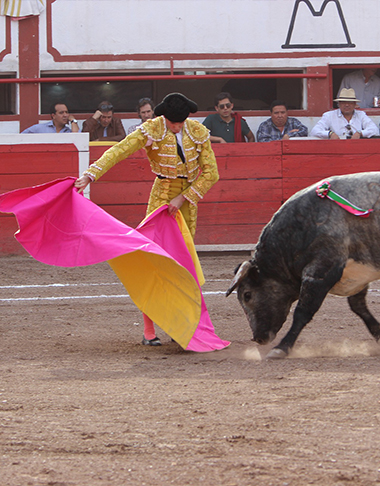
(312, 247)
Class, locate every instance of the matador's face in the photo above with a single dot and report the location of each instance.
(175, 127)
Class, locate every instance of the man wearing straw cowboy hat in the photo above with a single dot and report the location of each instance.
(345, 122)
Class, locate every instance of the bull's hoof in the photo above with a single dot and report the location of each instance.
(276, 353)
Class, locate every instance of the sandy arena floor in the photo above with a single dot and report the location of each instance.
(83, 403)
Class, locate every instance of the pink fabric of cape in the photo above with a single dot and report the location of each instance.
(159, 227)
(60, 227)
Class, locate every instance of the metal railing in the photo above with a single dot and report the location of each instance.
(72, 79)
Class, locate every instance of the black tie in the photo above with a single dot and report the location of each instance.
(179, 150)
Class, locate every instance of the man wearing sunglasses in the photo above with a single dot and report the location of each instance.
(226, 126)
(345, 122)
(103, 125)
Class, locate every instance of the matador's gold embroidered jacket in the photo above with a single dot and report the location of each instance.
(160, 145)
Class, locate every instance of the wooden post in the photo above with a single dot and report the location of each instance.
(29, 67)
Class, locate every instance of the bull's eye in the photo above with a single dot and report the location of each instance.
(247, 296)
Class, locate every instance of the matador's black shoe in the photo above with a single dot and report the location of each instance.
(151, 342)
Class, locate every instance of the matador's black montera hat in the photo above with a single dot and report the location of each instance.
(175, 107)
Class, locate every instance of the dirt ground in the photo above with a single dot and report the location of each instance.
(83, 403)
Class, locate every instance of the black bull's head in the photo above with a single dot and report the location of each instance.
(266, 302)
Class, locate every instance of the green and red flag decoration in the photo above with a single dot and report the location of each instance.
(323, 190)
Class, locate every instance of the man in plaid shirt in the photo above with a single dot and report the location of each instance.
(279, 126)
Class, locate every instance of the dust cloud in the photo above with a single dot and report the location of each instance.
(342, 349)
(252, 354)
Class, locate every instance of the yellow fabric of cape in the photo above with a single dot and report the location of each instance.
(163, 289)
(190, 246)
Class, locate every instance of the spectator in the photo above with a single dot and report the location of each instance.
(103, 125)
(145, 111)
(365, 83)
(345, 122)
(226, 126)
(60, 118)
(280, 126)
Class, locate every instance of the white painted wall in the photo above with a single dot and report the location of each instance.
(9, 64)
(164, 26)
(117, 27)
(126, 27)
(9, 127)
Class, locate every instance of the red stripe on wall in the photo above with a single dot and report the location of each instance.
(8, 40)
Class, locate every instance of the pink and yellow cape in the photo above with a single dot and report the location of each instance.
(156, 262)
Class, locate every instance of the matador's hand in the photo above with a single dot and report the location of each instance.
(175, 204)
(82, 182)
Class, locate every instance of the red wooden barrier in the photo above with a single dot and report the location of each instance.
(248, 193)
(254, 181)
(23, 165)
(307, 161)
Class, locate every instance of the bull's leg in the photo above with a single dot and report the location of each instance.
(314, 289)
(358, 305)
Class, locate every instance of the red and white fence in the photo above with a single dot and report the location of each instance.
(255, 179)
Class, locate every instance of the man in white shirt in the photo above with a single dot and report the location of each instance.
(345, 122)
(365, 83)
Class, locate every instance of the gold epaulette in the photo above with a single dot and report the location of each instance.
(196, 131)
(154, 128)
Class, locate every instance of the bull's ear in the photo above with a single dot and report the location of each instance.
(237, 268)
(240, 274)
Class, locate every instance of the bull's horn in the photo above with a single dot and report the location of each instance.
(242, 272)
